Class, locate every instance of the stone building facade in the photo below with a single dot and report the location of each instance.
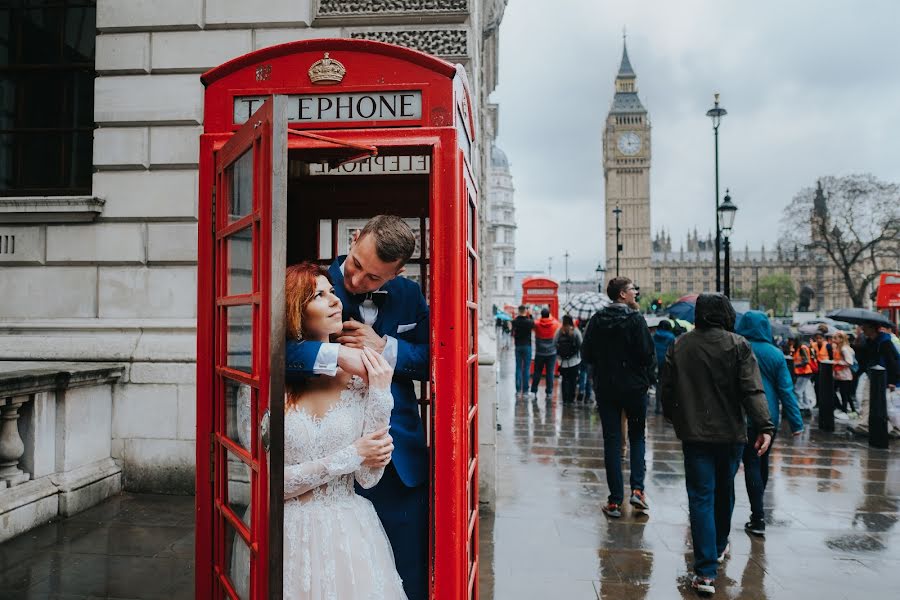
(690, 268)
(502, 223)
(103, 268)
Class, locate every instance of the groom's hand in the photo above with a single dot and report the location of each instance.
(359, 335)
(350, 360)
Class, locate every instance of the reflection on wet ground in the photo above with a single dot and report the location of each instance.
(833, 505)
(132, 546)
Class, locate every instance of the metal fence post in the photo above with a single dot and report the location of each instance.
(878, 417)
(825, 395)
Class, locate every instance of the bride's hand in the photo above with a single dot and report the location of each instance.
(375, 448)
(378, 369)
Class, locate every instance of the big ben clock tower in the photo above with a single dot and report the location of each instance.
(626, 167)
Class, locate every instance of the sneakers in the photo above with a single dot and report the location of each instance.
(841, 415)
(704, 585)
(725, 554)
(639, 500)
(532, 395)
(755, 528)
(611, 509)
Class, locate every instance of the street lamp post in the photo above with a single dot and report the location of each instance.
(716, 113)
(617, 211)
(725, 221)
(566, 257)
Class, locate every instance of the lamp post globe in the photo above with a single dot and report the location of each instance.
(725, 222)
(716, 113)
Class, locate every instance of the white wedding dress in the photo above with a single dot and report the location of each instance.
(335, 547)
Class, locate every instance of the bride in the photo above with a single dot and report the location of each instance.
(335, 431)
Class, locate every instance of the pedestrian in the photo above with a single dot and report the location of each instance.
(662, 339)
(522, 327)
(568, 348)
(711, 384)
(820, 349)
(845, 366)
(804, 361)
(544, 352)
(879, 350)
(585, 388)
(776, 378)
(618, 346)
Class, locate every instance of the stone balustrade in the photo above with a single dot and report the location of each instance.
(55, 433)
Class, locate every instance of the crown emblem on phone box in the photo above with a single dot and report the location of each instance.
(326, 71)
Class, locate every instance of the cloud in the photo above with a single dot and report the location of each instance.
(810, 88)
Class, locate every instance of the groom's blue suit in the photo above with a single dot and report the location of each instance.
(401, 498)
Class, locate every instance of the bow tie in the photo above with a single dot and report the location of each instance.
(378, 297)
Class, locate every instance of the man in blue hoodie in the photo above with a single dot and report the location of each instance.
(662, 339)
(755, 327)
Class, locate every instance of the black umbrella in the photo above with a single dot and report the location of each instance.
(860, 316)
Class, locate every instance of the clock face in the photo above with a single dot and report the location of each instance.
(629, 143)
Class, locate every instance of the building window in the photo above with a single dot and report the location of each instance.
(657, 286)
(46, 96)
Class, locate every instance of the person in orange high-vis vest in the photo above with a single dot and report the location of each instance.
(803, 387)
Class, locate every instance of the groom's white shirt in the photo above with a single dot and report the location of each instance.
(327, 358)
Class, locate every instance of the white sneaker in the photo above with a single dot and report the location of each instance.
(841, 415)
(726, 553)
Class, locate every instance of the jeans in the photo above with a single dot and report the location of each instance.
(804, 390)
(756, 476)
(709, 471)
(523, 364)
(540, 362)
(584, 380)
(569, 382)
(610, 408)
(845, 387)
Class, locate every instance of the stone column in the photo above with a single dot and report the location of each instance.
(11, 446)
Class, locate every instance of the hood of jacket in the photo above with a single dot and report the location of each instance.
(754, 325)
(615, 315)
(545, 327)
(714, 310)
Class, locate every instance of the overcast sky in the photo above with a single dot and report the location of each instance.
(811, 88)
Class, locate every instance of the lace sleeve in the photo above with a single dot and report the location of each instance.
(301, 478)
(379, 405)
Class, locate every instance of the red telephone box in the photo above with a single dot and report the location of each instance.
(541, 290)
(302, 143)
(888, 296)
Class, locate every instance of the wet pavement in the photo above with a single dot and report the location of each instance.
(833, 506)
(832, 511)
(132, 546)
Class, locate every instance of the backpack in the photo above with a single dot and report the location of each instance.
(567, 346)
(813, 359)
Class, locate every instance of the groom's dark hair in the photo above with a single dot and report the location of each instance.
(394, 240)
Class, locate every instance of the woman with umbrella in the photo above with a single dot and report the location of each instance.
(878, 348)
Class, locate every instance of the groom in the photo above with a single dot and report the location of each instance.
(388, 314)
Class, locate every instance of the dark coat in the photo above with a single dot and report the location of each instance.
(618, 346)
(711, 383)
(521, 330)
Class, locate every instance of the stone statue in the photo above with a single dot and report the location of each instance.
(806, 296)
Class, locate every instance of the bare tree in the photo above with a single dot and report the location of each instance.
(853, 222)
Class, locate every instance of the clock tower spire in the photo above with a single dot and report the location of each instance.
(626, 167)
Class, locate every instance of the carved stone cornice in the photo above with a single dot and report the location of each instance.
(439, 42)
(379, 12)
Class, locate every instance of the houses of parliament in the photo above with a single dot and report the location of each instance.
(656, 263)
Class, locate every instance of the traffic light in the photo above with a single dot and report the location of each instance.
(656, 304)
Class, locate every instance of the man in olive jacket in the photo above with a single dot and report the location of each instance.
(710, 386)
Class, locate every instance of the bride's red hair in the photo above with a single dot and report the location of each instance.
(299, 290)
